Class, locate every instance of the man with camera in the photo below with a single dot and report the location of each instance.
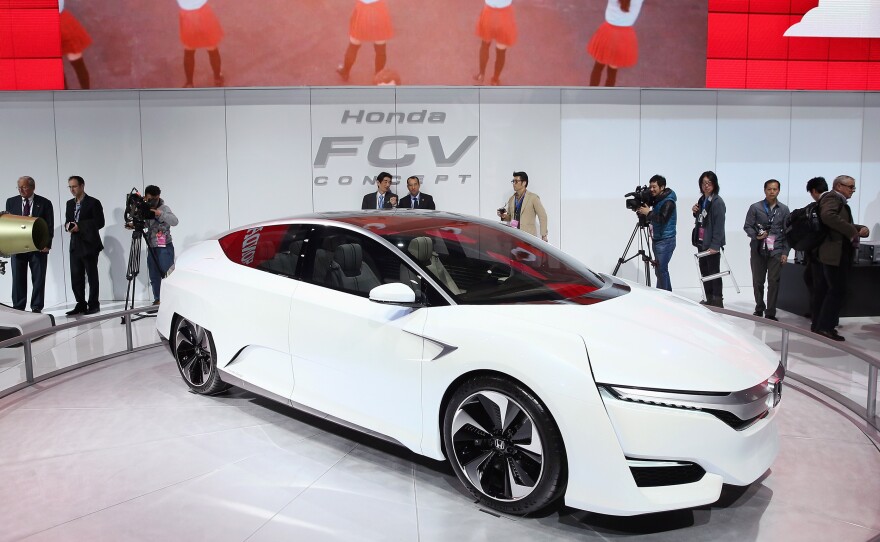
(661, 217)
(84, 217)
(157, 219)
(765, 226)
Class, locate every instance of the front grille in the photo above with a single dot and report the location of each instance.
(670, 475)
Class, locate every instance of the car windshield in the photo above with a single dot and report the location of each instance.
(484, 263)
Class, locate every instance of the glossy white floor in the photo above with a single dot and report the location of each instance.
(121, 450)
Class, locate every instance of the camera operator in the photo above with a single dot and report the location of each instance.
(662, 218)
(160, 254)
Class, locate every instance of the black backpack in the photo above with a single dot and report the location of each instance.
(804, 229)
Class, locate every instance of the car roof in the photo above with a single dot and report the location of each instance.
(391, 220)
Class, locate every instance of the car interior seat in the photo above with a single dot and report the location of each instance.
(349, 272)
(422, 251)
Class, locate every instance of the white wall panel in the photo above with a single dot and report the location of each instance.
(753, 145)
(600, 163)
(184, 153)
(868, 182)
(826, 137)
(226, 158)
(348, 127)
(99, 139)
(269, 154)
(520, 131)
(27, 147)
(448, 151)
(678, 141)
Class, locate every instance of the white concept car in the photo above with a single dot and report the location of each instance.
(467, 340)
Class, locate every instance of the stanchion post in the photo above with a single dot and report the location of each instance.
(785, 349)
(28, 361)
(128, 341)
(872, 393)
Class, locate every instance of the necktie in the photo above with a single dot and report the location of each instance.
(26, 211)
(415, 203)
(381, 202)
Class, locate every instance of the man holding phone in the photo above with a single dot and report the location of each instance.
(83, 219)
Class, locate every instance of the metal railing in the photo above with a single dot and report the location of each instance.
(868, 411)
(27, 340)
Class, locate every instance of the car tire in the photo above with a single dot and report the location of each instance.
(504, 445)
(196, 357)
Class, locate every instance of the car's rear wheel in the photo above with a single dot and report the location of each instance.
(196, 357)
(504, 445)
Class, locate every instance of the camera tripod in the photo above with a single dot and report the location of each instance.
(134, 267)
(641, 232)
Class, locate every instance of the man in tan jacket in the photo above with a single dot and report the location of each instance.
(524, 207)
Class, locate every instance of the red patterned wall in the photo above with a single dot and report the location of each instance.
(30, 45)
(746, 49)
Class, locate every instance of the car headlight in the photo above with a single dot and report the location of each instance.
(738, 409)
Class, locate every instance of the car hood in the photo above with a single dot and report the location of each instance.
(653, 339)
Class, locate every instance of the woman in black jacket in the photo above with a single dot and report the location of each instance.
(708, 234)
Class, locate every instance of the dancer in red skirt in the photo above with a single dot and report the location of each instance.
(199, 29)
(370, 21)
(615, 45)
(496, 23)
(74, 40)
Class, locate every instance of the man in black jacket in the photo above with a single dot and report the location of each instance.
(84, 217)
(29, 204)
(416, 199)
(383, 197)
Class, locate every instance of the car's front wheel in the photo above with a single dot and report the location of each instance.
(194, 351)
(504, 445)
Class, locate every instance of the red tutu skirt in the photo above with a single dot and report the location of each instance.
(497, 24)
(371, 22)
(199, 28)
(74, 38)
(614, 46)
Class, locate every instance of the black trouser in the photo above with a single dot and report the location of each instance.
(80, 266)
(769, 267)
(37, 262)
(814, 280)
(710, 265)
(832, 293)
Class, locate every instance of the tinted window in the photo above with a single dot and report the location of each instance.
(274, 249)
(353, 263)
(481, 263)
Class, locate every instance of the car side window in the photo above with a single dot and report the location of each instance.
(353, 263)
(276, 249)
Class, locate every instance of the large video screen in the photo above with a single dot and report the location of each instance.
(769, 44)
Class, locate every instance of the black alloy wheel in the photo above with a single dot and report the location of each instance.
(504, 446)
(194, 351)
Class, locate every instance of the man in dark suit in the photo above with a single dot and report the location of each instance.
(382, 198)
(29, 204)
(84, 217)
(836, 254)
(416, 199)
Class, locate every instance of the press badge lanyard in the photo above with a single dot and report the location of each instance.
(517, 206)
(770, 240)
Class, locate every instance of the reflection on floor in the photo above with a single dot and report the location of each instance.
(122, 450)
(818, 362)
(72, 346)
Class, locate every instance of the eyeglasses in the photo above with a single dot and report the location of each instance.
(516, 181)
(850, 186)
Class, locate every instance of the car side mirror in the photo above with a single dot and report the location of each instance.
(395, 293)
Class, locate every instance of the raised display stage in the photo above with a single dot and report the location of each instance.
(122, 450)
